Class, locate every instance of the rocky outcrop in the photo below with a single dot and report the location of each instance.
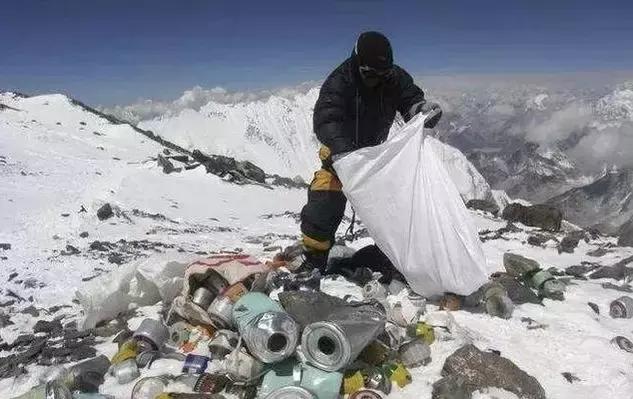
(543, 216)
(476, 370)
(483, 205)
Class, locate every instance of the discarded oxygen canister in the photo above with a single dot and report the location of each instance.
(374, 290)
(221, 311)
(195, 364)
(270, 333)
(623, 343)
(622, 308)
(331, 345)
(126, 371)
(547, 285)
(153, 332)
(51, 390)
(202, 297)
(322, 384)
(414, 353)
(149, 387)
(367, 394)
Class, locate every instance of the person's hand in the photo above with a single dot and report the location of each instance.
(432, 110)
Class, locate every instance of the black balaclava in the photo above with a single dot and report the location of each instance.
(373, 50)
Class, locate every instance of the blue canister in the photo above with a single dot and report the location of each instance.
(195, 364)
(270, 333)
(323, 384)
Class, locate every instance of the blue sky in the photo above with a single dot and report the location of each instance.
(107, 52)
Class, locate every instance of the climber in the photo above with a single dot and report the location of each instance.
(356, 107)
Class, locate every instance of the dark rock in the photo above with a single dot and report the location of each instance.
(70, 250)
(621, 288)
(30, 282)
(286, 182)
(625, 233)
(31, 310)
(483, 205)
(451, 387)
(116, 258)
(167, 165)
(480, 370)
(5, 320)
(73, 334)
(571, 378)
(518, 293)
(5, 245)
(517, 265)
(538, 240)
(65, 215)
(543, 216)
(569, 243)
(599, 252)
(580, 270)
(105, 212)
(83, 234)
(617, 271)
(48, 327)
(222, 166)
(10, 302)
(12, 276)
(102, 246)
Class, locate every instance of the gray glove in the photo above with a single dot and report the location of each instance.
(433, 110)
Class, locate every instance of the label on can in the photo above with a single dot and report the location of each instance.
(195, 364)
(235, 292)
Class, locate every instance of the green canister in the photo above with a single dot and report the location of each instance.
(323, 384)
(270, 333)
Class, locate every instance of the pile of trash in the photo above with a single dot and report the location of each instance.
(244, 329)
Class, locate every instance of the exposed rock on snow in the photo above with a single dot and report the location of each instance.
(543, 216)
(625, 238)
(480, 370)
(483, 205)
(105, 212)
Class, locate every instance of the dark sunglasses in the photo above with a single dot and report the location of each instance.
(368, 71)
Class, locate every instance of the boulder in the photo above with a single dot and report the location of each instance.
(48, 327)
(518, 293)
(483, 205)
(480, 370)
(166, 164)
(625, 233)
(105, 212)
(617, 271)
(236, 171)
(517, 265)
(543, 216)
(5, 245)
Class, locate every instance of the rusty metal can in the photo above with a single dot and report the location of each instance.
(623, 343)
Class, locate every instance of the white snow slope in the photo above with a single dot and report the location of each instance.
(47, 170)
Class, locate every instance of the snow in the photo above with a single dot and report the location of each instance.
(64, 168)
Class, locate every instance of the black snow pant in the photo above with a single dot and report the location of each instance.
(324, 211)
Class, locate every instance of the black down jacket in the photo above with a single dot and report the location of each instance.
(349, 115)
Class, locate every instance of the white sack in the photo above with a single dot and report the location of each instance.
(414, 212)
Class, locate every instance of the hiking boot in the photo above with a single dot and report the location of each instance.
(308, 261)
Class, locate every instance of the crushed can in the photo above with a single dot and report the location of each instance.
(352, 382)
(153, 332)
(149, 387)
(623, 343)
(195, 364)
(398, 374)
(334, 344)
(203, 297)
(393, 336)
(270, 333)
(415, 353)
(621, 308)
(423, 331)
(367, 394)
(376, 379)
(290, 372)
(126, 371)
